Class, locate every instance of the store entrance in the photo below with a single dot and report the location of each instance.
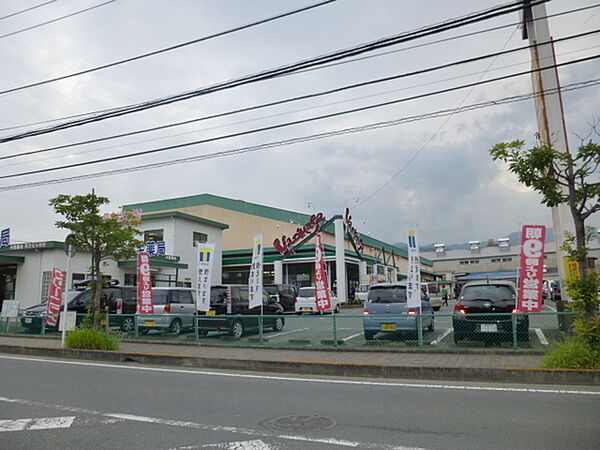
(8, 279)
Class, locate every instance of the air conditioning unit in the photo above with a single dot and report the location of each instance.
(474, 245)
(440, 249)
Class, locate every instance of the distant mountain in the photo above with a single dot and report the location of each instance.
(515, 238)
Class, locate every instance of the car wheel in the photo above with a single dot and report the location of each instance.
(237, 329)
(369, 335)
(436, 308)
(337, 308)
(144, 331)
(128, 324)
(175, 327)
(299, 313)
(457, 338)
(202, 333)
(278, 324)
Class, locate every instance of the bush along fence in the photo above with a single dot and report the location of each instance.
(511, 331)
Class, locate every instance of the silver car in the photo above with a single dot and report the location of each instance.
(174, 310)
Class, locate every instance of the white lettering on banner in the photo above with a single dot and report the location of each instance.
(322, 294)
(255, 282)
(57, 287)
(144, 285)
(532, 270)
(413, 284)
(204, 260)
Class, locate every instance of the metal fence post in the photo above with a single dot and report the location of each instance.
(137, 329)
(335, 339)
(513, 320)
(196, 331)
(260, 329)
(420, 329)
(43, 329)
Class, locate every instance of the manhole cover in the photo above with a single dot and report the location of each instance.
(299, 423)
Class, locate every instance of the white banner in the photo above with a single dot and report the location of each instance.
(413, 282)
(206, 254)
(255, 281)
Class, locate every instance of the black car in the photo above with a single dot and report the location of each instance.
(497, 300)
(284, 294)
(79, 301)
(229, 311)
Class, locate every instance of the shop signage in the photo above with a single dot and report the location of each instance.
(55, 298)
(154, 248)
(322, 293)
(571, 268)
(5, 237)
(204, 276)
(28, 245)
(10, 308)
(531, 279)
(413, 281)
(353, 232)
(255, 282)
(313, 226)
(125, 215)
(144, 285)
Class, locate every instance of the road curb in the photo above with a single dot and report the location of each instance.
(506, 375)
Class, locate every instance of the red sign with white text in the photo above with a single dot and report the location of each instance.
(144, 285)
(55, 297)
(531, 274)
(322, 294)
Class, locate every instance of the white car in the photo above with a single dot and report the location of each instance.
(306, 302)
(361, 293)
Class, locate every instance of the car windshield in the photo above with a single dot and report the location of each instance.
(392, 294)
(491, 292)
(306, 292)
(271, 290)
(159, 297)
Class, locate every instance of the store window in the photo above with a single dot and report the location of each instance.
(199, 237)
(76, 278)
(130, 279)
(46, 278)
(153, 235)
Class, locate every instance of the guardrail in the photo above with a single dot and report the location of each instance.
(518, 330)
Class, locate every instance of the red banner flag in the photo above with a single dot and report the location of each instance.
(144, 285)
(531, 274)
(55, 297)
(322, 294)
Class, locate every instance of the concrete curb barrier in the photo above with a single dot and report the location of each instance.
(369, 370)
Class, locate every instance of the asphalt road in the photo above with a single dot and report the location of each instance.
(47, 404)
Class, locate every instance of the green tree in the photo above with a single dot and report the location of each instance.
(559, 178)
(106, 237)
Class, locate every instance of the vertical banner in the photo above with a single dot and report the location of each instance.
(255, 281)
(204, 276)
(322, 293)
(531, 280)
(57, 289)
(144, 285)
(5, 237)
(413, 282)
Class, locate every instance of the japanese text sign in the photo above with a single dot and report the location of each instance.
(55, 298)
(145, 304)
(531, 275)
(5, 237)
(413, 281)
(255, 281)
(206, 253)
(322, 294)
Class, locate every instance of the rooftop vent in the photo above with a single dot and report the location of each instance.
(503, 242)
(474, 245)
(440, 249)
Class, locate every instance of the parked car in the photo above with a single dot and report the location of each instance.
(284, 294)
(556, 291)
(498, 299)
(307, 301)
(80, 300)
(174, 309)
(361, 292)
(229, 311)
(386, 311)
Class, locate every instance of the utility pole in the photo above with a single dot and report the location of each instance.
(549, 109)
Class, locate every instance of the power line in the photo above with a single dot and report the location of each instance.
(451, 38)
(274, 144)
(26, 10)
(168, 49)
(294, 99)
(292, 123)
(273, 73)
(81, 11)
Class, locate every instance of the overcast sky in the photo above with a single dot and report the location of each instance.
(452, 189)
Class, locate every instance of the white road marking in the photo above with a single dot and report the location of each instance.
(444, 334)
(551, 308)
(240, 445)
(311, 380)
(286, 332)
(353, 336)
(541, 336)
(41, 423)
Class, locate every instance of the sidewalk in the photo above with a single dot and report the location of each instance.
(506, 368)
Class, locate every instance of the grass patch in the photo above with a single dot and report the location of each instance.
(86, 338)
(573, 353)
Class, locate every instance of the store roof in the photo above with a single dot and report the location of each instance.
(281, 215)
(181, 215)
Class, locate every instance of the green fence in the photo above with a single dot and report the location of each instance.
(344, 331)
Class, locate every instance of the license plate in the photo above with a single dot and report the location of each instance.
(212, 312)
(150, 323)
(489, 327)
(388, 326)
(28, 320)
(306, 309)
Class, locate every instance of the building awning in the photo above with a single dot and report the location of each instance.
(158, 261)
(11, 259)
(508, 274)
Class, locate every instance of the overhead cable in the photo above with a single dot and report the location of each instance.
(16, 13)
